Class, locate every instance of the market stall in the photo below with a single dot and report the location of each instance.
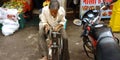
(20, 5)
(85, 5)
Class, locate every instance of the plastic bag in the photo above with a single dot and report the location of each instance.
(10, 24)
(9, 27)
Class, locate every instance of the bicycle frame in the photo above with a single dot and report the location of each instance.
(56, 45)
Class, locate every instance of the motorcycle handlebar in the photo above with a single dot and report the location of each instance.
(102, 7)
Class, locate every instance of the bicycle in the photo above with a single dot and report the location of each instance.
(56, 45)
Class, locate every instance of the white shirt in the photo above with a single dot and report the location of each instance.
(47, 18)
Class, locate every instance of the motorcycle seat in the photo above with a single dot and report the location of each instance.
(107, 49)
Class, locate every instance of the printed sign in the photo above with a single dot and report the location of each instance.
(95, 4)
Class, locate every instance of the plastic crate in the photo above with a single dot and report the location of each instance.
(21, 21)
(0, 26)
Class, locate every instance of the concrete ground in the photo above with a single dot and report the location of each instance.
(22, 45)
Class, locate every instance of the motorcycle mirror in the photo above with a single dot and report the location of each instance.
(77, 22)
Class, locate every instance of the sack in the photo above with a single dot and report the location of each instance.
(9, 27)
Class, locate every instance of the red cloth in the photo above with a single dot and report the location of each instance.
(27, 6)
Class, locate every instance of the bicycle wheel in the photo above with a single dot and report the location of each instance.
(61, 52)
(65, 51)
(60, 49)
(88, 44)
(58, 52)
(117, 40)
(55, 50)
(88, 47)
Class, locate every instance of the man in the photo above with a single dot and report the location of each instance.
(51, 16)
(75, 7)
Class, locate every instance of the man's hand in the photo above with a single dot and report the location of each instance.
(47, 28)
(58, 27)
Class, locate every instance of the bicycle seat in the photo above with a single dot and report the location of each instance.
(107, 49)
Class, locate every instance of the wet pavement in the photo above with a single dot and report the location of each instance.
(23, 44)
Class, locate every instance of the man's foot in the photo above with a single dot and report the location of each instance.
(44, 58)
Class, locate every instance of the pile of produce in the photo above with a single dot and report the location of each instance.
(14, 5)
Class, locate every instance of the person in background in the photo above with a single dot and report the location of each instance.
(114, 21)
(52, 16)
(75, 5)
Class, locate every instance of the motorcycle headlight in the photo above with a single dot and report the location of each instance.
(90, 15)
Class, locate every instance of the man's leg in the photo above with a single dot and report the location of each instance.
(63, 33)
(42, 43)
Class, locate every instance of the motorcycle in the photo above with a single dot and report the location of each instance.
(98, 37)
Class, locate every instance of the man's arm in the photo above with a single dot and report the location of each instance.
(63, 20)
(44, 22)
(43, 17)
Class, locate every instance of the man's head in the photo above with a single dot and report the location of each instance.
(54, 7)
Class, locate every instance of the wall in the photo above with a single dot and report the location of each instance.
(63, 3)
